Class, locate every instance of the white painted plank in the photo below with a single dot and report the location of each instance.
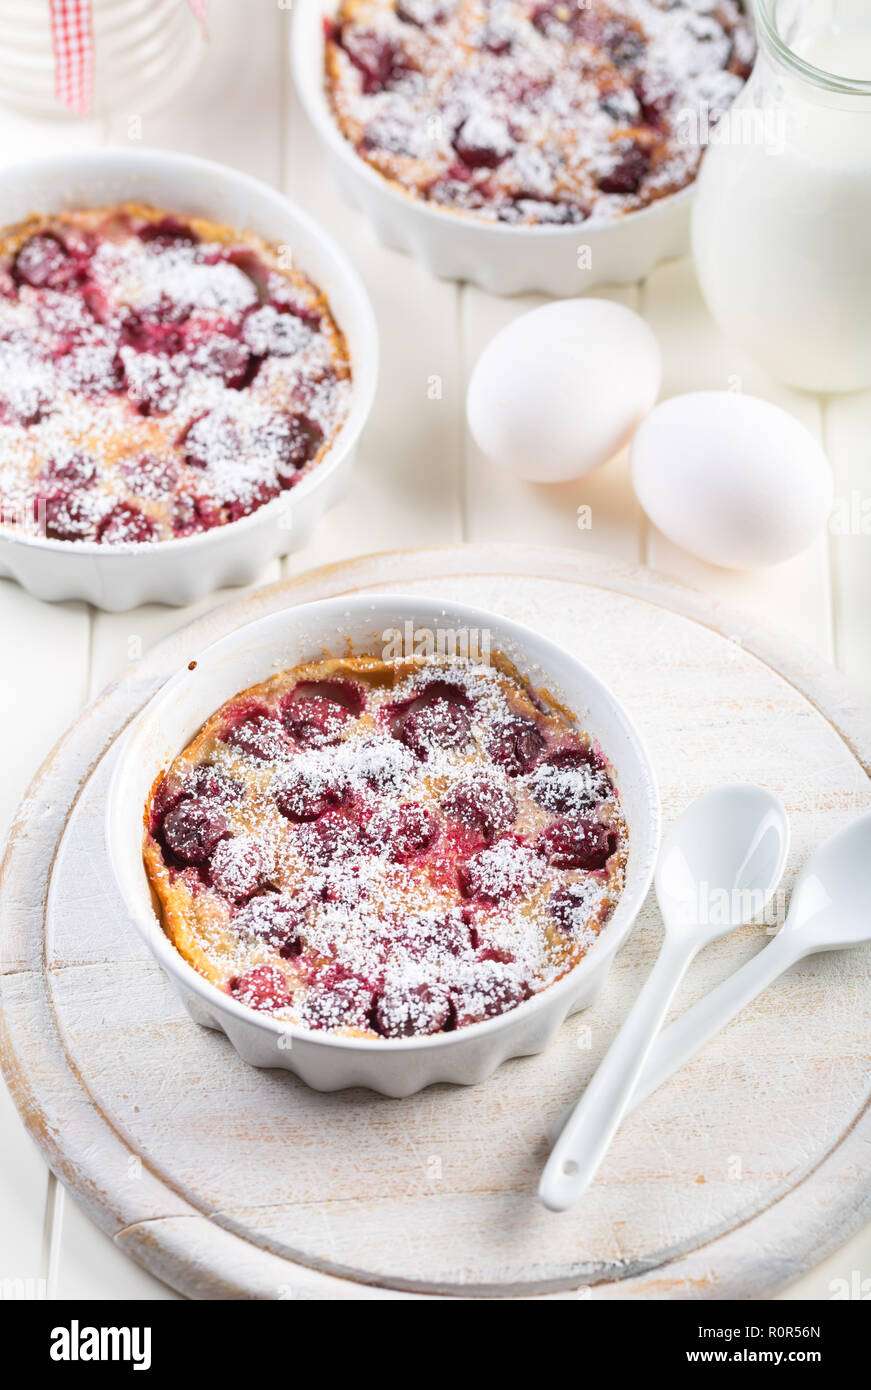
(797, 595)
(26, 137)
(44, 681)
(502, 507)
(848, 441)
(838, 1277)
(122, 638)
(24, 1180)
(231, 110)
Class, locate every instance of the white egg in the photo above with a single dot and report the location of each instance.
(560, 390)
(732, 479)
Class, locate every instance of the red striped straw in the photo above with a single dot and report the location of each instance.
(72, 38)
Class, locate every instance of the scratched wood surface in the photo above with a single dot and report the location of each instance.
(731, 1181)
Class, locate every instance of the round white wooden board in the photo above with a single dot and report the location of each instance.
(732, 1180)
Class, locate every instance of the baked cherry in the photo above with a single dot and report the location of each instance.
(271, 332)
(495, 42)
(168, 232)
(277, 920)
(236, 868)
(554, 213)
(264, 987)
(572, 905)
(193, 514)
(483, 144)
(624, 43)
(405, 834)
(455, 191)
(153, 382)
(557, 19)
(306, 792)
(167, 793)
(149, 475)
(251, 498)
(316, 713)
(577, 842)
(379, 61)
(65, 518)
(193, 828)
(403, 1011)
(516, 745)
(161, 335)
(569, 781)
(212, 439)
(79, 471)
(384, 766)
(94, 369)
(498, 873)
(439, 717)
(622, 105)
(295, 440)
(435, 936)
(227, 358)
(206, 781)
(546, 20)
(258, 735)
(655, 97)
(44, 262)
(126, 524)
(217, 785)
(338, 1003)
(482, 805)
(627, 172)
(334, 836)
(423, 12)
(487, 990)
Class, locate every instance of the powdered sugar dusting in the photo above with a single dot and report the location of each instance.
(535, 111)
(150, 346)
(400, 883)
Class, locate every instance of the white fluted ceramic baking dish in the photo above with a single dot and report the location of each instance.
(395, 1067)
(180, 571)
(500, 258)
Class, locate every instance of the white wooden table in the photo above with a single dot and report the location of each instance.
(420, 481)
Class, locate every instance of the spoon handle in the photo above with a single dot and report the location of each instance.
(688, 1034)
(596, 1117)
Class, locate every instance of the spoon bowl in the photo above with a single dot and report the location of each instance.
(722, 860)
(831, 902)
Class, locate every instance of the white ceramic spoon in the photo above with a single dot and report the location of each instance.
(830, 909)
(719, 866)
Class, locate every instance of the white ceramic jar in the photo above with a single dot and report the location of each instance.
(144, 52)
(782, 217)
(358, 622)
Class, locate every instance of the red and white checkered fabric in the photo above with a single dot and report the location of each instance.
(72, 37)
(199, 8)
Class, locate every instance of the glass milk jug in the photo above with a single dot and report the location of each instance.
(782, 217)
